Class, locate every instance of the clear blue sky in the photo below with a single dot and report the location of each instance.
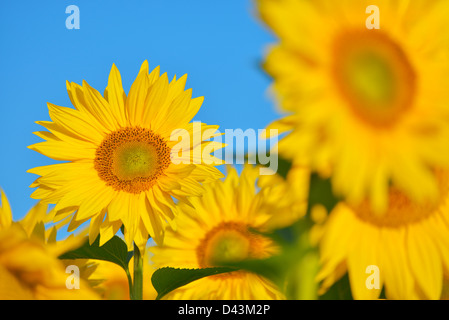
(219, 44)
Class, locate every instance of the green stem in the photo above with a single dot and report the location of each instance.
(137, 287)
(130, 283)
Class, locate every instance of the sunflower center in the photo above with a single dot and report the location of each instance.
(401, 210)
(231, 242)
(134, 159)
(374, 75)
(131, 159)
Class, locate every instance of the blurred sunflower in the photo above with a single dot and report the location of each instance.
(109, 280)
(219, 228)
(29, 264)
(119, 155)
(408, 244)
(371, 105)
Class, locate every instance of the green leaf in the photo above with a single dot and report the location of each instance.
(284, 167)
(320, 192)
(168, 279)
(273, 268)
(340, 290)
(115, 250)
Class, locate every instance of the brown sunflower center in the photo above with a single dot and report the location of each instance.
(232, 242)
(403, 211)
(131, 159)
(374, 75)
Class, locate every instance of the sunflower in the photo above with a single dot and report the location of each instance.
(29, 264)
(118, 153)
(220, 228)
(370, 106)
(408, 245)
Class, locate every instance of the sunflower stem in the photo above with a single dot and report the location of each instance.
(130, 284)
(137, 288)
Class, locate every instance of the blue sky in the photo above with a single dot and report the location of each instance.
(219, 44)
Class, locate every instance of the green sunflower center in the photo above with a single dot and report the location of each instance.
(371, 79)
(132, 159)
(374, 76)
(228, 246)
(231, 242)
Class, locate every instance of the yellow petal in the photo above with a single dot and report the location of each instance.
(118, 207)
(365, 253)
(336, 245)
(152, 220)
(60, 150)
(65, 135)
(395, 267)
(425, 262)
(131, 219)
(94, 227)
(153, 106)
(97, 200)
(73, 121)
(108, 229)
(136, 98)
(5, 212)
(116, 96)
(99, 107)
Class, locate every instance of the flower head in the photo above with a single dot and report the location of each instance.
(225, 226)
(29, 264)
(118, 152)
(408, 245)
(370, 106)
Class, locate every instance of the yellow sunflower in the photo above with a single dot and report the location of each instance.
(408, 246)
(119, 150)
(370, 104)
(29, 264)
(219, 228)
